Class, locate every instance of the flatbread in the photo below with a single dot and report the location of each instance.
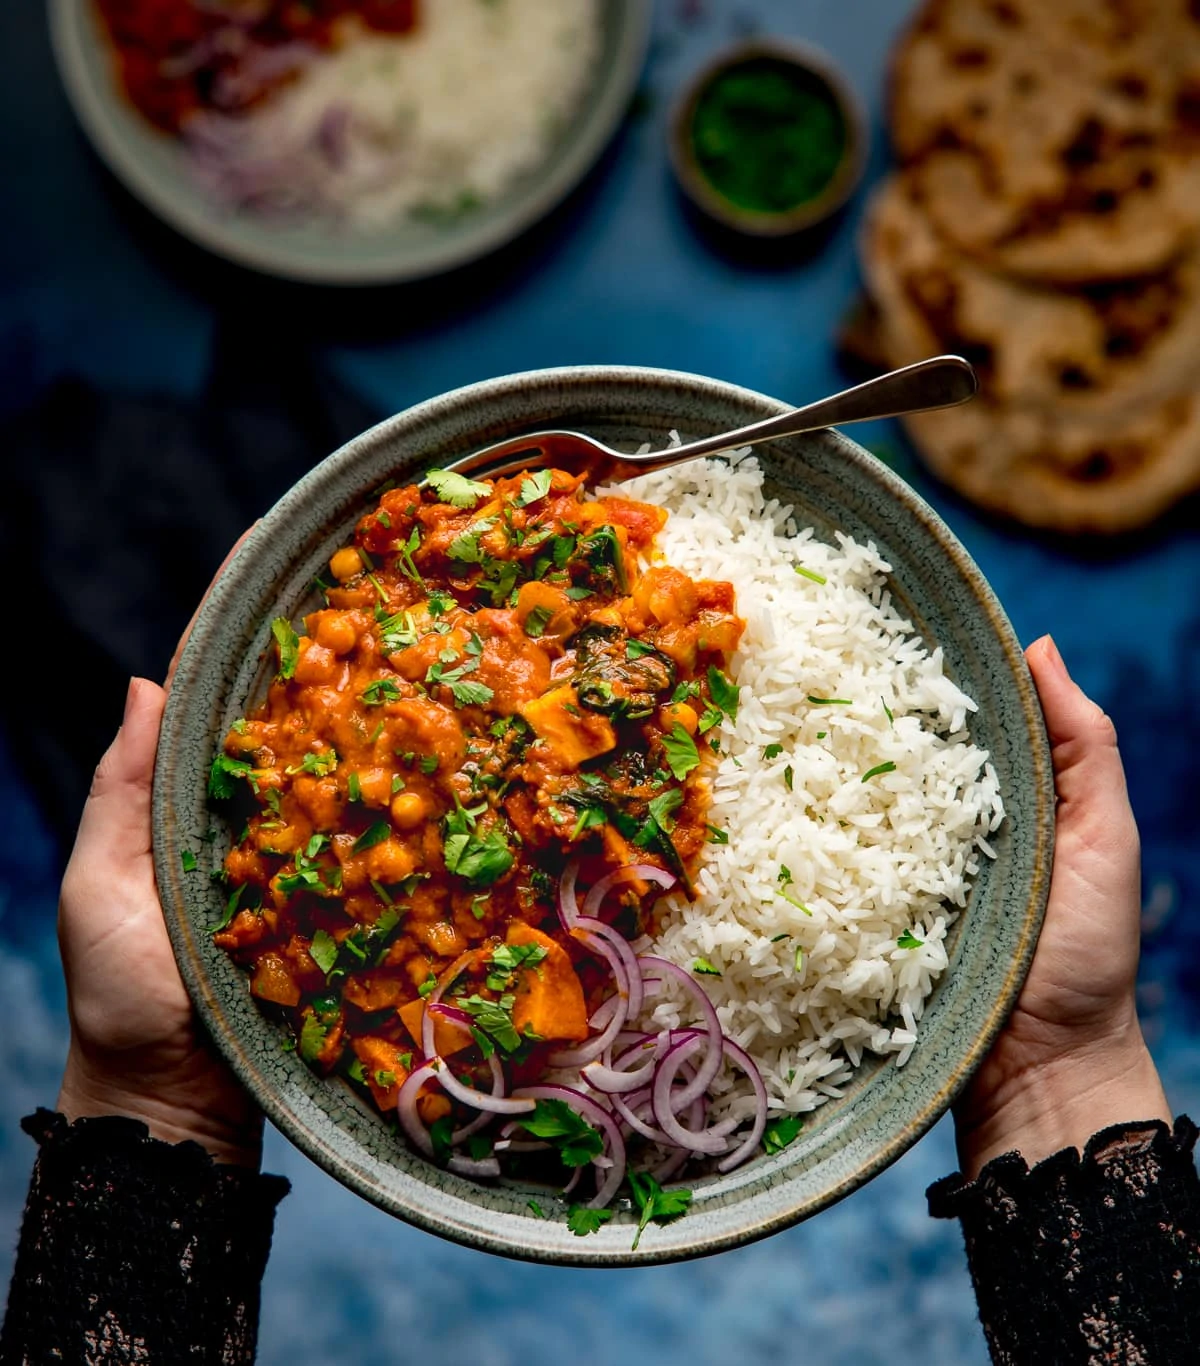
(1055, 139)
(1092, 353)
(1056, 474)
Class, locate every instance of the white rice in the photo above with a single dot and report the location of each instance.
(870, 860)
(434, 120)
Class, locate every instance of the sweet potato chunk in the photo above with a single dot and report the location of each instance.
(386, 1074)
(448, 1037)
(573, 734)
(549, 998)
(273, 981)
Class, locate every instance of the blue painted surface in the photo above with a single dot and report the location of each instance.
(621, 275)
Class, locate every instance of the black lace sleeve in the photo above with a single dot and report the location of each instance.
(1091, 1259)
(135, 1250)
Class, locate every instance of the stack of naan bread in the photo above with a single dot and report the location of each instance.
(1045, 223)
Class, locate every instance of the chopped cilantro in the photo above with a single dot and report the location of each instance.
(493, 1018)
(656, 1205)
(830, 701)
(230, 910)
(380, 691)
(723, 691)
(479, 858)
(537, 621)
(188, 860)
(456, 489)
(772, 751)
(312, 1038)
(705, 969)
(716, 836)
(405, 561)
(428, 986)
(221, 776)
(908, 940)
(324, 951)
(681, 751)
(537, 1209)
(316, 764)
(371, 836)
(810, 574)
(439, 603)
(354, 788)
(788, 776)
(635, 649)
(508, 959)
(887, 767)
(780, 1132)
(465, 547)
(887, 711)
(578, 1143)
(397, 633)
(589, 818)
(582, 1220)
(289, 646)
(533, 488)
(428, 763)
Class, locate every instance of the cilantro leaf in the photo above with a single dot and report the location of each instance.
(397, 632)
(908, 940)
(187, 860)
(716, 836)
(380, 691)
(312, 1038)
(371, 836)
(471, 694)
(656, 1205)
(465, 546)
(456, 489)
(221, 776)
(682, 754)
(723, 691)
(537, 621)
(705, 969)
(289, 646)
(887, 767)
(581, 1220)
(324, 951)
(316, 764)
(508, 958)
(780, 1132)
(493, 1018)
(578, 1143)
(772, 751)
(533, 488)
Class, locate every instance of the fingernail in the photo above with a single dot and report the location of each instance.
(1054, 659)
(130, 693)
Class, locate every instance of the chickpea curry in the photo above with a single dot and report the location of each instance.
(503, 680)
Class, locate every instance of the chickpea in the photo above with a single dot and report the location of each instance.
(408, 810)
(337, 633)
(345, 564)
(678, 714)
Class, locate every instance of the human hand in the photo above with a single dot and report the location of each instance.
(136, 1047)
(1071, 1058)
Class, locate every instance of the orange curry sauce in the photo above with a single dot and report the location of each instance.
(495, 688)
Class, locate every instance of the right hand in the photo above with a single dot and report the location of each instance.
(1071, 1059)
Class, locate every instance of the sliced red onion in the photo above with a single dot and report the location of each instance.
(612, 1079)
(568, 907)
(628, 1106)
(631, 872)
(447, 979)
(614, 1011)
(406, 1109)
(476, 1168)
(595, 933)
(483, 1118)
(667, 1101)
(740, 1058)
(479, 1100)
(661, 968)
(597, 1116)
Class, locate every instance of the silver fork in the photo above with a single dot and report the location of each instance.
(939, 382)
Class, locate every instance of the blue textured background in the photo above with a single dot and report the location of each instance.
(619, 276)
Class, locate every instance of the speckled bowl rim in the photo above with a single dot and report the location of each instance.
(768, 1194)
(353, 259)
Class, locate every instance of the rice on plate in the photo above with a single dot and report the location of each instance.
(850, 809)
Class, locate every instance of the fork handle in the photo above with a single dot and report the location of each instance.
(939, 382)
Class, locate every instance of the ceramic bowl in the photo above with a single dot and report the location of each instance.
(821, 71)
(834, 485)
(152, 166)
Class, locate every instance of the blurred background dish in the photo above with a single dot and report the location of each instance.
(350, 143)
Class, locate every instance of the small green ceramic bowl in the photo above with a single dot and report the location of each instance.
(153, 167)
(815, 75)
(833, 485)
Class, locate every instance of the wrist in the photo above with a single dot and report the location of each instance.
(1060, 1104)
(169, 1118)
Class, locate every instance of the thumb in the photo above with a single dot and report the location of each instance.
(115, 824)
(1097, 837)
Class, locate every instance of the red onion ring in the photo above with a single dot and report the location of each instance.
(631, 872)
(599, 1118)
(567, 905)
(666, 1102)
(661, 968)
(478, 1100)
(476, 1168)
(614, 1012)
(738, 1055)
(595, 933)
(406, 1109)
